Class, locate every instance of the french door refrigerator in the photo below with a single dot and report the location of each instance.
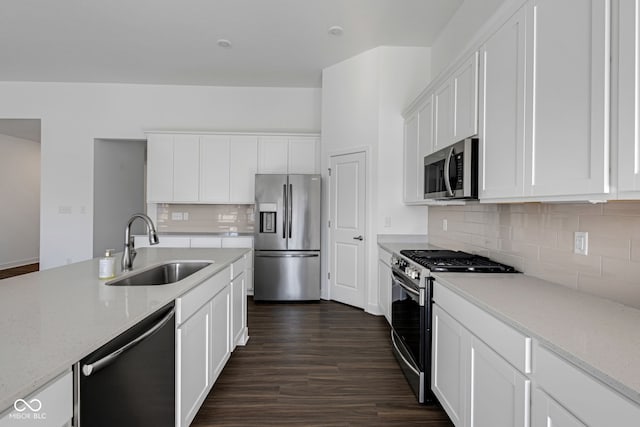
(287, 238)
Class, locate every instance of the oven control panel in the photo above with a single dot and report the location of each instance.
(406, 267)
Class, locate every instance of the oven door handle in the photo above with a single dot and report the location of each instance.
(399, 353)
(419, 294)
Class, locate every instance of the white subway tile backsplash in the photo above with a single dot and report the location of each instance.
(538, 238)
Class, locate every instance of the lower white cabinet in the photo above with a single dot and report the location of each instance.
(384, 283)
(239, 333)
(548, 412)
(51, 405)
(474, 383)
(193, 343)
(221, 332)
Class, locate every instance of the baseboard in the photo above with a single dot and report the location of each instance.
(244, 337)
(374, 309)
(13, 264)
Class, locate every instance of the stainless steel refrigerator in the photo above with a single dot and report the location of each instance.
(287, 238)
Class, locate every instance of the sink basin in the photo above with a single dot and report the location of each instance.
(161, 275)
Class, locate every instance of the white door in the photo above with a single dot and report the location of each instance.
(347, 237)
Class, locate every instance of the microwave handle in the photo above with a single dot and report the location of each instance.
(447, 163)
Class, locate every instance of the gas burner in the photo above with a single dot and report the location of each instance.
(455, 261)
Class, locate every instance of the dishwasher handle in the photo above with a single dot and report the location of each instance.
(92, 368)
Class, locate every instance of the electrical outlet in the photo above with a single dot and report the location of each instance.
(387, 221)
(445, 225)
(581, 243)
(176, 216)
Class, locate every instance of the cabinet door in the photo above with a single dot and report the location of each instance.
(465, 106)
(243, 165)
(214, 168)
(567, 136)
(498, 394)
(547, 412)
(410, 154)
(628, 97)
(238, 309)
(193, 339)
(303, 155)
(443, 116)
(272, 154)
(160, 168)
(502, 113)
(186, 168)
(425, 138)
(447, 364)
(384, 289)
(220, 333)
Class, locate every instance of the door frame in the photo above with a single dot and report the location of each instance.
(367, 203)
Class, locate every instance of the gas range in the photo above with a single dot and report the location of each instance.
(417, 263)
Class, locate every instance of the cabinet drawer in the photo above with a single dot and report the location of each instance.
(593, 402)
(512, 345)
(190, 302)
(238, 267)
(53, 406)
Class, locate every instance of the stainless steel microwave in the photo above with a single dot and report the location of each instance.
(452, 172)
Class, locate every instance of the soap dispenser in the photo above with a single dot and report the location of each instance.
(107, 265)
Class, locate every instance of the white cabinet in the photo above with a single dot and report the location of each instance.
(239, 302)
(628, 124)
(159, 168)
(501, 152)
(478, 365)
(243, 165)
(384, 283)
(214, 169)
(443, 115)
(547, 412)
(221, 332)
(193, 341)
(418, 142)
(567, 103)
(288, 154)
(186, 169)
(498, 395)
(465, 99)
(447, 365)
(56, 406)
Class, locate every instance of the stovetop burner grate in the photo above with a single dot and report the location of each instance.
(455, 261)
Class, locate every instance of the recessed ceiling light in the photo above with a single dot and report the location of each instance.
(336, 30)
(224, 43)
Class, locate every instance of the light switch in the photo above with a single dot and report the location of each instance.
(445, 225)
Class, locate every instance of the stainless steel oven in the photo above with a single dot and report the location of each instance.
(452, 172)
(411, 326)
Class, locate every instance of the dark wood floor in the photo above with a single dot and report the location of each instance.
(324, 364)
(17, 271)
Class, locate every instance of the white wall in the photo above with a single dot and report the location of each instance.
(362, 101)
(74, 114)
(20, 195)
(463, 26)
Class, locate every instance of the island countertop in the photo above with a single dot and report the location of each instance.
(53, 318)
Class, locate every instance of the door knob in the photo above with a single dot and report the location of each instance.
(359, 238)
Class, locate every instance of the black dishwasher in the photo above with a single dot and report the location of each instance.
(131, 380)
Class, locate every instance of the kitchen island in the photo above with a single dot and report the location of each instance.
(53, 318)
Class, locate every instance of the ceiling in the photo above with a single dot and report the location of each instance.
(274, 42)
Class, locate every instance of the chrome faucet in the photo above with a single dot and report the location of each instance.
(129, 248)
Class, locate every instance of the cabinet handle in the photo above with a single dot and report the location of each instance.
(445, 173)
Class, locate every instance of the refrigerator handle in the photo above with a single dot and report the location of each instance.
(290, 208)
(285, 211)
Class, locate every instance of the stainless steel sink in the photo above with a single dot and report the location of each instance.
(164, 274)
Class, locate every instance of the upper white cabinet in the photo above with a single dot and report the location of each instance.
(411, 164)
(283, 154)
(501, 153)
(567, 102)
(443, 112)
(221, 168)
(628, 124)
(465, 99)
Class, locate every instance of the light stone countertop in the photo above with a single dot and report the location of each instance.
(51, 319)
(600, 336)
(394, 243)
